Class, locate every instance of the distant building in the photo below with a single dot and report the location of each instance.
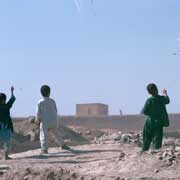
(93, 109)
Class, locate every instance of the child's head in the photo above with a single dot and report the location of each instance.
(45, 91)
(152, 89)
(2, 98)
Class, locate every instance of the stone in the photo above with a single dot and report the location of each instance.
(118, 178)
(121, 156)
(170, 159)
(157, 171)
(124, 138)
(25, 178)
(169, 163)
(177, 148)
(4, 167)
(165, 154)
(34, 135)
(74, 175)
(169, 143)
(88, 132)
(117, 138)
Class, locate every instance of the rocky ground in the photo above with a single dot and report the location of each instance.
(95, 161)
(97, 155)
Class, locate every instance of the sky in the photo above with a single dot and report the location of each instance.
(104, 52)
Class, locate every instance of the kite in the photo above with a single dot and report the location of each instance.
(78, 5)
(175, 54)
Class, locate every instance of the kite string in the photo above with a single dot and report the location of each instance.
(78, 5)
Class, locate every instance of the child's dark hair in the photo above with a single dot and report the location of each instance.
(45, 90)
(2, 97)
(152, 89)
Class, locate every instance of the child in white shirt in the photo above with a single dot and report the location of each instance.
(47, 119)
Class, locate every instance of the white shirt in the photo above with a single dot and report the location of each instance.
(47, 112)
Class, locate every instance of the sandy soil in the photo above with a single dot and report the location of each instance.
(95, 161)
(97, 155)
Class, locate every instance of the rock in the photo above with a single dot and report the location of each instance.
(74, 176)
(34, 135)
(130, 137)
(170, 159)
(169, 163)
(95, 140)
(67, 141)
(169, 143)
(177, 148)
(93, 178)
(165, 154)
(25, 178)
(2, 172)
(122, 155)
(124, 138)
(118, 178)
(116, 137)
(157, 171)
(138, 143)
(4, 167)
(88, 132)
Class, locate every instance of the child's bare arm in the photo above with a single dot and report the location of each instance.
(165, 93)
(12, 99)
(12, 90)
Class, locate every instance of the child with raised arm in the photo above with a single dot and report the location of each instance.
(47, 120)
(157, 118)
(6, 125)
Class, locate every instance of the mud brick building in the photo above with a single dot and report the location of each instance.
(93, 109)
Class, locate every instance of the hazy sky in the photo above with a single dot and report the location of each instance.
(104, 53)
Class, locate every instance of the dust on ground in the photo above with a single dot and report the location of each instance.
(95, 161)
(96, 155)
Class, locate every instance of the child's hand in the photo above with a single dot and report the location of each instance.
(165, 92)
(12, 89)
(37, 125)
(37, 122)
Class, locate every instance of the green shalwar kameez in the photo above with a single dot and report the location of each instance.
(157, 118)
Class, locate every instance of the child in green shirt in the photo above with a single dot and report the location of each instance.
(157, 118)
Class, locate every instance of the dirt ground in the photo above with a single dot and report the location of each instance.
(96, 155)
(95, 161)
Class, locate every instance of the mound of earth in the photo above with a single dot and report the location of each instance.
(26, 136)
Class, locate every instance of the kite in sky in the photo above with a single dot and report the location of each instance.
(78, 4)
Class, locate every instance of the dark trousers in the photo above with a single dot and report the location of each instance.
(152, 133)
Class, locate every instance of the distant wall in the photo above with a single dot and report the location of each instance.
(122, 123)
